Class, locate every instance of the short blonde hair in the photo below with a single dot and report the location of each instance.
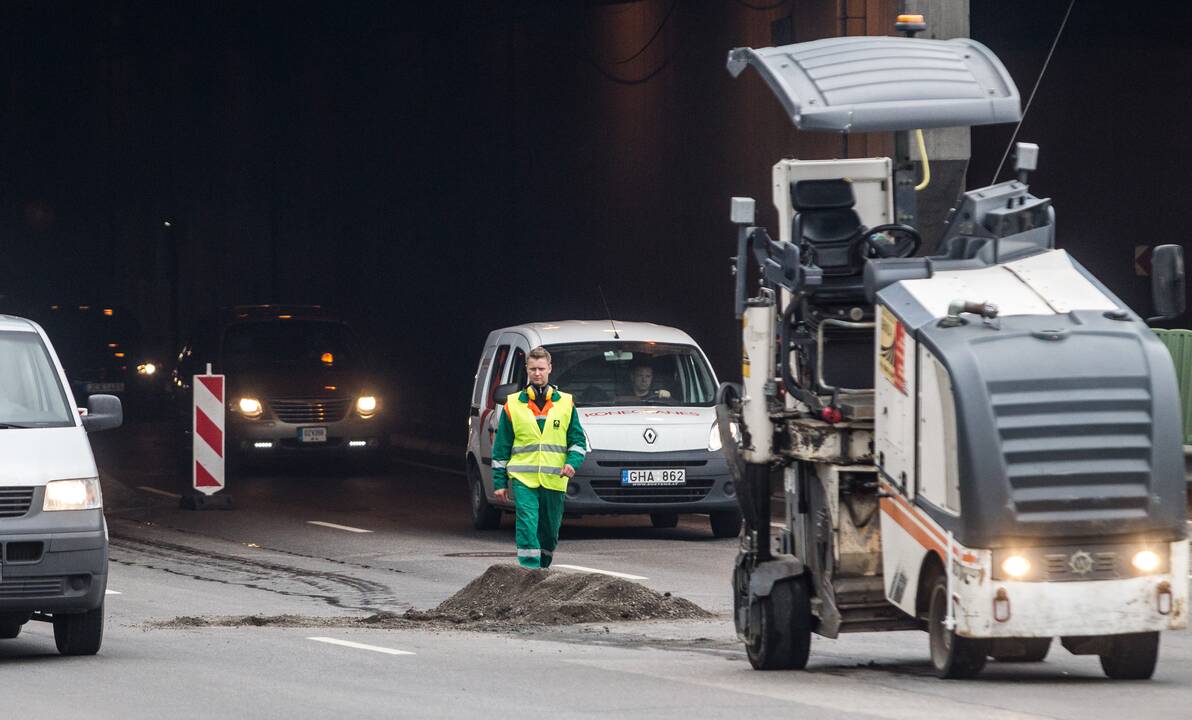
(539, 353)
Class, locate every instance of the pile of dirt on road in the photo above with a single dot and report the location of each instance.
(504, 597)
(510, 594)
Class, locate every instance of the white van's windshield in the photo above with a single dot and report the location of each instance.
(632, 373)
(30, 394)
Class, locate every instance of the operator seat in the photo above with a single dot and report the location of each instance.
(829, 231)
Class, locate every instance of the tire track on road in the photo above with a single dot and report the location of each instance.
(336, 589)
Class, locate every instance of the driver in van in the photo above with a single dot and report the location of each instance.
(642, 379)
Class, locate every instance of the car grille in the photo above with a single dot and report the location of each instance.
(612, 491)
(11, 588)
(1076, 448)
(1105, 567)
(23, 552)
(327, 410)
(15, 501)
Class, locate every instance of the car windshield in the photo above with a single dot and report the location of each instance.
(30, 393)
(629, 373)
(309, 344)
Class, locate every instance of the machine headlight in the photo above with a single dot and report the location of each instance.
(1146, 561)
(1016, 566)
(250, 407)
(366, 405)
(72, 495)
(147, 369)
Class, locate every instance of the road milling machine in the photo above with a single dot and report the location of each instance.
(983, 442)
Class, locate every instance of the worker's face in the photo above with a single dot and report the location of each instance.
(539, 371)
(643, 379)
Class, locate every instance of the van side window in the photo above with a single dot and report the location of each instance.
(518, 368)
(481, 379)
(498, 371)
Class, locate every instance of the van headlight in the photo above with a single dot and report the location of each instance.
(73, 495)
(250, 407)
(714, 442)
(366, 406)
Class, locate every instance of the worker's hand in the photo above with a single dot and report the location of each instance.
(502, 495)
(568, 472)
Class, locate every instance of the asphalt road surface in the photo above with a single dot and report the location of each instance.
(320, 544)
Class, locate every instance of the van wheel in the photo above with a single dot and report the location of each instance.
(1034, 650)
(953, 656)
(484, 515)
(726, 523)
(1131, 657)
(664, 520)
(782, 640)
(79, 634)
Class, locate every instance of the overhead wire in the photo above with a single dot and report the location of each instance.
(650, 75)
(1031, 99)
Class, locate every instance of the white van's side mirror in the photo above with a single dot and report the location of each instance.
(502, 393)
(104, 412)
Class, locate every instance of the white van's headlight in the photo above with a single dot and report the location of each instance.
(714, 443)
(73, 495)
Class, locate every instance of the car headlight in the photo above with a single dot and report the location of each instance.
(250, 407)
(1016, 566)
(714, 442)
(366, 405)
(72, 495)
(1146, 561)
(147, 369)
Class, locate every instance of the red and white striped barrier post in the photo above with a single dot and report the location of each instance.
(207, 459)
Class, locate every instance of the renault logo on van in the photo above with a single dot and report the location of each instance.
(650, 436)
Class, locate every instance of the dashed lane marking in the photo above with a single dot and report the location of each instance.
(346, 528)
(112, 592)
(360, 646)
(155, 491)
(594, 571)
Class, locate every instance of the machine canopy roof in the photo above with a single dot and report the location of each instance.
(864, 84)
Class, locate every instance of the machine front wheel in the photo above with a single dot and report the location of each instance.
(953, 656)
(782, 641)
(1131, 657)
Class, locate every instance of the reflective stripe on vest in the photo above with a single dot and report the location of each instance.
(539, 455)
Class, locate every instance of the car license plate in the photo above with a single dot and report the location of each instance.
(653, 477)
(105, 387)
(312, 435)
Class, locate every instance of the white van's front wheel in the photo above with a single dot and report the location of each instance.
(79, 634)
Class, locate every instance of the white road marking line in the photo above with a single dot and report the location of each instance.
(360, 646)
(594, 571)
(320, 523)
(112, 592)
(155, 491)
(437, 468)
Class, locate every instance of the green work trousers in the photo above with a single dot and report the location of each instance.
(539, 516)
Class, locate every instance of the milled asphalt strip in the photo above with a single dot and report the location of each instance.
(594, 571)
(155, 491)
(320, 523)
(360, 646)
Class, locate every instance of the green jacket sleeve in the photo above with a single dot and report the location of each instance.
(502, 450)
(577, 445)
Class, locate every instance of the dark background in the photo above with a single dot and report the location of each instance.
(437, 170)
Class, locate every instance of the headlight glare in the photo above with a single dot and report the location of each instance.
(1016, 566)
(366, 405)
(147, 368)
(72, 495)
(1146, 561)
(250, 407)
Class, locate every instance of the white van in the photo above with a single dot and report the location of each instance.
(53, 536)
(645, 395)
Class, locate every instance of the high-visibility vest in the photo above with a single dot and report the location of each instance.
(539, 455)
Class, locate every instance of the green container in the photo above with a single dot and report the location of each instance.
(1179, 344)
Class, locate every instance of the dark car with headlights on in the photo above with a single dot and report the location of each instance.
(298, 385)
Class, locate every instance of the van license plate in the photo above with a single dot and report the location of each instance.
(313, 435)
(654, 477)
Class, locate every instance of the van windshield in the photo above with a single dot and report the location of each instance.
(30, 393)
(632, 373)
(295, 344)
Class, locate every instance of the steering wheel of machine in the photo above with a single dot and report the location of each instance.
(906, 241)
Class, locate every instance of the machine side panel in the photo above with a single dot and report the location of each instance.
(895, 392)
(905, 543)
(939, 481)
